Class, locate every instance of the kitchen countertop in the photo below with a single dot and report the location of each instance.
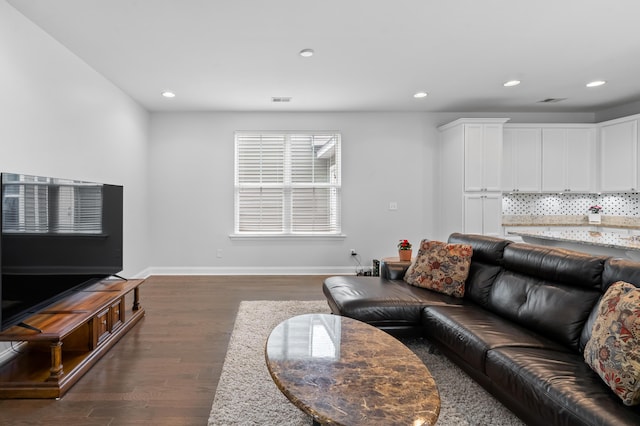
(570, 220)
(602, 239)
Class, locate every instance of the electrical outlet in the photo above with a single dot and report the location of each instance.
(353, 252)
(393, 205)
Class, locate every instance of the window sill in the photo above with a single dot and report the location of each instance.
(281, 237)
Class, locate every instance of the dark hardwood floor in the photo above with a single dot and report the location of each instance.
(165, 370)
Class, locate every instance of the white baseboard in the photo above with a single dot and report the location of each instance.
(145, 273)
(253, 270)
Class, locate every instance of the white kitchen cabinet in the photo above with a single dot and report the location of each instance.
(521, 159)
(619, 156)
(483, 214)
(469, 160)
(482, 157)
(569, 159)
(581, 160)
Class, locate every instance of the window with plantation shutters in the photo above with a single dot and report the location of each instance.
(287, 183)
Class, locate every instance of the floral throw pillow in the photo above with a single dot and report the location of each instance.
(613, 351)
(441, 267)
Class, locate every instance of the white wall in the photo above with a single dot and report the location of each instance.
(386, 157)
(60, 118)
(618, 112)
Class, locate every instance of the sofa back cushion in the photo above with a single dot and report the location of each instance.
(549, 290)
(486, 262)
(614, 270)
(620, 270)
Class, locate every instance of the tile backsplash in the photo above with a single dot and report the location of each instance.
(617, 204)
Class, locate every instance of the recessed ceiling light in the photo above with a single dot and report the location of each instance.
(420, 95)
(511, 83)
(306, 53)
(596, 83)
(168, 94)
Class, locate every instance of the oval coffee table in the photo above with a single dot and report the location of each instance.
(344, 372)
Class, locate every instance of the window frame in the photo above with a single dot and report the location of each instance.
(288, 186)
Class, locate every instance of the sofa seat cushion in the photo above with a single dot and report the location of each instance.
(558, 386)
(381, 302)
(472, 331)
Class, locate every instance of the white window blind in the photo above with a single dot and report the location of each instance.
(287, 183)
(46, 205)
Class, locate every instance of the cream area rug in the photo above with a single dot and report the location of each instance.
(246, 395)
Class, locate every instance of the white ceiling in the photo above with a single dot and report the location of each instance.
(371, 55)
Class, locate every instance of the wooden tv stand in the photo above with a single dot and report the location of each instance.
(76, 332)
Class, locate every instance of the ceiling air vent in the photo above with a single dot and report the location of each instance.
(280, 99)
(551, 100)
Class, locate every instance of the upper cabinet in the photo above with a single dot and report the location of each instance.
(619, 155)
(568, 159)
(522, 156)
(482, 157)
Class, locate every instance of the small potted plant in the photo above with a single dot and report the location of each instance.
(404, 250)
(594, 213)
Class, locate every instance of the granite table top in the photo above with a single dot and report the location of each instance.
(602, 239)
(345, 372)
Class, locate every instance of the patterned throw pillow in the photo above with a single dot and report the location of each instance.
(441, 267)
(613, 351)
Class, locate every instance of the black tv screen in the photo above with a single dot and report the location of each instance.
(58, 236)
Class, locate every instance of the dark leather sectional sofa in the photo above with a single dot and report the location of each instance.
(519, 331)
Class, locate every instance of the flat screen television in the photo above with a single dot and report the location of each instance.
(58, 236)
